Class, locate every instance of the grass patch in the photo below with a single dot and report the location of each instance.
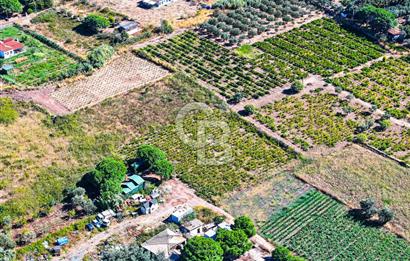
(247, 51)
(37, 64)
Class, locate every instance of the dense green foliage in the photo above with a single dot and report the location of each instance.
(379, 19)
(94, 23)
(317, 227)
(233, 242)
(245, 224)
(154, 159)
(165, 27)
(8, 113)
(202, 249)
(100, 55)
(9, 7)
(281, 253)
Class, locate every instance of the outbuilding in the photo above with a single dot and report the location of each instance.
(10, 47)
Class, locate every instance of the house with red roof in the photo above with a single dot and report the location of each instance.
(10, 47)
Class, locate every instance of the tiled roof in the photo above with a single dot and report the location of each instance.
(10, 44)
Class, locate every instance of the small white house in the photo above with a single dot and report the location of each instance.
(180, 213)
(193, 228)
(130, 27)
(149, 207)
(10, 47)
(106, 215)
(155, 3)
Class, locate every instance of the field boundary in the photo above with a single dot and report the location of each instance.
(383, 154)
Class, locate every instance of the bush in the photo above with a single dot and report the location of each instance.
(165, 27)
(94, 23)
(8, 113)
(100, 55)
(9, 7)
(297, 86)
(283, 254)
(249, 109)
(368, 208)
(201, 248)
(245, 224)
(385, 215)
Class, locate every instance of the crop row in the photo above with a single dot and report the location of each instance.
(319, 228)
(385, 84)
(220, 67)
(321, 47)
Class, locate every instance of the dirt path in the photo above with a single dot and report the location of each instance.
(176, 194)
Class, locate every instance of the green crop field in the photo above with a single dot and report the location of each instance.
(38, 64)
(251, 155)
(385, 84)
(317, 227)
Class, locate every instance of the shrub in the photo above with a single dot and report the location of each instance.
(385, 215)
(368, 208)
(201, 248)
(283, 254)
(9, 7)
(94, 23)
(297, 86)
(249, 109)
(8, 113)
(245, 224)
(165, 27)
(100, 55)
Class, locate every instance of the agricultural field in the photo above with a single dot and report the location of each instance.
(260, 201)
(132, 72)
(66, 30)
(353, 173)
(255, 18)
(385, 84)
(315, 118)
(37, 64)
(321, 47)
(317, 227)
(220, 67)
(242, 159)
(40, 156)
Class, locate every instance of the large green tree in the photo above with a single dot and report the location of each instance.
(9, 7)
(100, 55)
(132, 252)
(94, 23)
(379, 19)
(154, 159)
(246, 224)
(202, 249)
(233, 242)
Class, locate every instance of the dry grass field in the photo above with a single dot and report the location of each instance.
(354, 173)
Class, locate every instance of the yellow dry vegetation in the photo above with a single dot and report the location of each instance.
(200, 17)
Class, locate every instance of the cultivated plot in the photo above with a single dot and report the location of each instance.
(318, 228)
(121, 75)
(37, 64)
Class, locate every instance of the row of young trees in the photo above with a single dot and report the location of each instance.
(228, 244)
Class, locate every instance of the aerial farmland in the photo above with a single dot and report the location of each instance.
(205, 130)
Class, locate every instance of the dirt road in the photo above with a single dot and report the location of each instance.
(175, 193)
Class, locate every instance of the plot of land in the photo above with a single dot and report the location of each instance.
(121, 75)
(385, 84)
(243, 156)
(353, 173)
(321, 47)
(66, 31)
(318, 228)
(38, 64)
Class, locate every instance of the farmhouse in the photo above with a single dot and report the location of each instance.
(10, 47)
(193, 228)
(154, 3)
(130, 27)
(167, 242)
(180, 213)
(132, 185)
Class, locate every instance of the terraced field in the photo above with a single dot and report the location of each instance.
(317, 227)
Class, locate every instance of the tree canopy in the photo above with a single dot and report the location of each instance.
(100, 55)
(202, 249)
(233, 242)
(283, 254)
(379, 19)
(129, 253)
(9, 7)
(246, 224)
(94, 23)
(154, 159)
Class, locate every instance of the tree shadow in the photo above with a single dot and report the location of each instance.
(289, 91)
(83, 30)
(357, 215)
